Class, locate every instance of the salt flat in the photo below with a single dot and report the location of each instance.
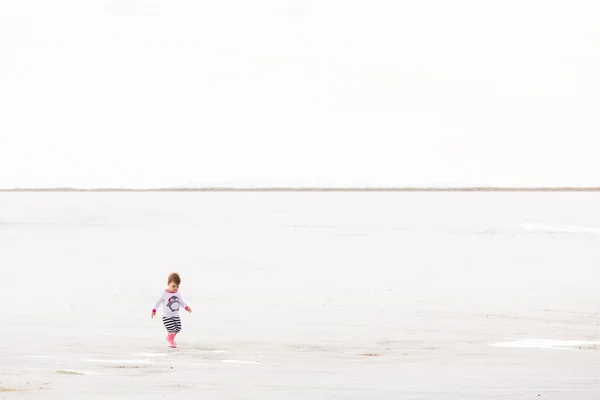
(301, 295)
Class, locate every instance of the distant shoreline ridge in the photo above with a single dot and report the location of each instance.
(319, 189)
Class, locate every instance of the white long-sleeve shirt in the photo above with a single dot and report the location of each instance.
(171, 303)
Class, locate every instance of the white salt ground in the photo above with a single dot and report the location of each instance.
(301, 295)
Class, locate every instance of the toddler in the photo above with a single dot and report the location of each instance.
(171, 300)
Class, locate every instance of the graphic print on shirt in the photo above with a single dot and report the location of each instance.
(173, 303)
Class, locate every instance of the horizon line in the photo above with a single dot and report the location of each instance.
(322, 189)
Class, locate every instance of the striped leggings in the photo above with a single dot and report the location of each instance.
(173, 324)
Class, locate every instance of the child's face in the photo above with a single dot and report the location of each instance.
(173, 287)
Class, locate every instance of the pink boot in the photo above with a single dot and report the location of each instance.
(171, 340)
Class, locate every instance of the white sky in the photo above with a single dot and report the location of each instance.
(131, 93)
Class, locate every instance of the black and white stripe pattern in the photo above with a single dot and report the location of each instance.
(173, 324)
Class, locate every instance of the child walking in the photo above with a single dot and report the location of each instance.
(171, 300)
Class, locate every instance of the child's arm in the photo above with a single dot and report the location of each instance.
(160, 300)
(183, 303)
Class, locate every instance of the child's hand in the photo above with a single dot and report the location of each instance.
(188, 309)
(153, 313)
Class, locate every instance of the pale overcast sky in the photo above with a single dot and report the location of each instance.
(131, 93)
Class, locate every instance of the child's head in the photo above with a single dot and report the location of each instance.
(173, 282)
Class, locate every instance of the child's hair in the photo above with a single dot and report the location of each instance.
(174, 277)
